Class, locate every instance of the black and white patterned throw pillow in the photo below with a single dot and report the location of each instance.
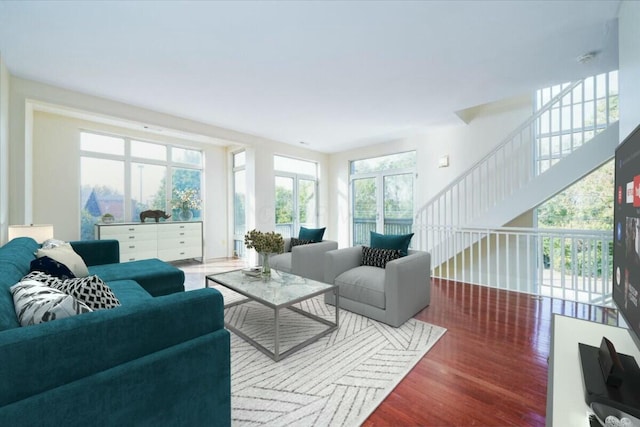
(36, 303)
(91, 290)
(42, 277)
(299, 242)
(375, 257)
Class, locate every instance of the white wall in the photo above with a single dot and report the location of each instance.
(629, 65)
(465, 144)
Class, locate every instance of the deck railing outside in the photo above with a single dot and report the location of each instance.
(363, 226)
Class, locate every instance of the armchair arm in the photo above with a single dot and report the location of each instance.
(407, 286)
(52, 354)
(338, 261)
(307, 260)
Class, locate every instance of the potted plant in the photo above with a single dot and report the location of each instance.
(186, 201)
(265, 244)
(108, 218)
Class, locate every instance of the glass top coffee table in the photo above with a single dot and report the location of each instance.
(281, 291)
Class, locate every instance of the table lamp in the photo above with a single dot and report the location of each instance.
(38, 232)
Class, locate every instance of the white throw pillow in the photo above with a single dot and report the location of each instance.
(52, 243)
(66, 255)
(35, 303)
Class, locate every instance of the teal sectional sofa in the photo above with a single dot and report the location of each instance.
(161, 358)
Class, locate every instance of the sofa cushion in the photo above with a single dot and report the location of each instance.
(375, 257)
(51, 267)
(67, 256)
(281, 262)
(155, 276)
(91, 290)
(129, 292)
(37, 303)
(364, 284)
(391, 241)
(313, 234)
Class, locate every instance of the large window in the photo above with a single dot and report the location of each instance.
(239, 202)
(296, 195)
(382, 195)
(124, 177)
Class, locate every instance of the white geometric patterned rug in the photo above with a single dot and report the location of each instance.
(336, 381)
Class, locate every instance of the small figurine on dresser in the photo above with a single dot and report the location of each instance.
(156, 214)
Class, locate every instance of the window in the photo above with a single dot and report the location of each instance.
(382, 196)
(124, 177)
(296, 195)
(239, 202)
(574, 119)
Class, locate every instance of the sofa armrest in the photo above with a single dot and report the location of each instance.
(287, 244)
(59, 352)
(338, 261)
(407, 286)
(97, 252)
(307, 260)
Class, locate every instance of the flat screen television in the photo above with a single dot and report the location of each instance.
(626, 217)
(612, 381)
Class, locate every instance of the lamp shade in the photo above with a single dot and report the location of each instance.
(38, 232)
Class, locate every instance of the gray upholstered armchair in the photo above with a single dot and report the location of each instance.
(303, 260)
(391, 295)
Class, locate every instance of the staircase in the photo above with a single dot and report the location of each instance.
(568, 137)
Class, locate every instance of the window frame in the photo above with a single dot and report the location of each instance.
(128, 160)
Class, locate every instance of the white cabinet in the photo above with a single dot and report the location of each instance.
(180, 241)
(169, 241)
(566, 405)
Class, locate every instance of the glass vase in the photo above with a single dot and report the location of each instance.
(266, 268)
(186, 214)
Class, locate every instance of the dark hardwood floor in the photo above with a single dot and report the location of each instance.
(490, 367)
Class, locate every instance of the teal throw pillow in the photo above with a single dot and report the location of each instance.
(391, 241)
(313, 234)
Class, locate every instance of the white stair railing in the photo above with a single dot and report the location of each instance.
(577, 113)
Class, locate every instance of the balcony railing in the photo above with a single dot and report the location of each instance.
(569, 264)
(363, 226)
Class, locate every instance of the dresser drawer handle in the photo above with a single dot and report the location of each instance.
(182, 234)
(132, 259)
(132, 246)
(132, 237)
(182, 226)
(132, 229)
(181, 253)
(182, 243)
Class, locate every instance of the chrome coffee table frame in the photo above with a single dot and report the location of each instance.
(298, 289)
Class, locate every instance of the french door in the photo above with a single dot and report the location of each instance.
(381, 202)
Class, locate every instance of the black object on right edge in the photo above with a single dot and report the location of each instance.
(621, 369)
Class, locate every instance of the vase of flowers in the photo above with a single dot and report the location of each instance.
(186, 201)
(265, 244)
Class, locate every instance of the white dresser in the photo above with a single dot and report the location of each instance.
(169, 241)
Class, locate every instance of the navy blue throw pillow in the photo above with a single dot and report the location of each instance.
(51, 267)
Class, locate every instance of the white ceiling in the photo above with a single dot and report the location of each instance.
(333, 74)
